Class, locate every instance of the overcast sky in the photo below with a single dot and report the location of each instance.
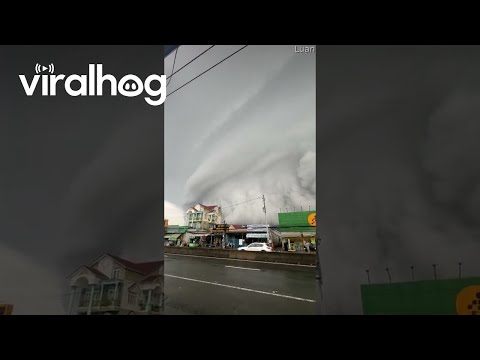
(245, 128)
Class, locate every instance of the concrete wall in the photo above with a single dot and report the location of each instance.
(280, 257)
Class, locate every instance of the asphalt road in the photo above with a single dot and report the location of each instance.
(207, 286)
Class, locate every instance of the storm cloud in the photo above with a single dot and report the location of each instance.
(80, 176)
(253, 134)
(397, 165)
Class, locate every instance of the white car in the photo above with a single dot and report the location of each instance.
(256, 247)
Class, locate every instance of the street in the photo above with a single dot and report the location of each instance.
(209, 286)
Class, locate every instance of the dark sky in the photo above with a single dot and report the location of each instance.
(78, 176)
(398, 165)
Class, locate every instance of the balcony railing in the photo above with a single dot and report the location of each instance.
(153, 308)
(100, 304)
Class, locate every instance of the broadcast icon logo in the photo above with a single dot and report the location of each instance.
(40, 68)
(91, 84)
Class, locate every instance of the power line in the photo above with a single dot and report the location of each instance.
(195, 58)
(173, 67)
(210, 68)
(226, 207)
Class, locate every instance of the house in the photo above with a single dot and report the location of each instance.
(236, 235)
(202, 217)
(175, 235)
(115, 286)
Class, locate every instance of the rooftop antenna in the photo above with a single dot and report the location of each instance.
(388, 274)
(413, 273)
(368, 275)
(286, 209)
(434, 271)
(460, 270)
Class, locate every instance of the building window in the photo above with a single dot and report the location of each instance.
(132, 298)
(116, 274)
(86, 295)
(111, 294)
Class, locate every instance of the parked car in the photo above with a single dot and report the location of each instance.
(256, 247)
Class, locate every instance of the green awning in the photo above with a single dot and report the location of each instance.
(172, 236)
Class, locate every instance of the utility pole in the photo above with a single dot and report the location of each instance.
(266, 225)
(321, 309)
(224, 234)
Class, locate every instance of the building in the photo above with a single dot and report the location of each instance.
(115, 286)
(296, 231)
(256, 233)
(427, 297)
(175, 235)
(236, 235)
(202, 217)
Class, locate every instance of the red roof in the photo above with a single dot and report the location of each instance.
(239, 226)
(144, 268)
(209, 207)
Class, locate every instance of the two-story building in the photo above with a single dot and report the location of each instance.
(202, 217)
(115, 286)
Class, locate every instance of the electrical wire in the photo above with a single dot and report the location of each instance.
(210, 68)
(226, 207)
(195, 58)
(173, 67)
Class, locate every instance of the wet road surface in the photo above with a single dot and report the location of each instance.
(206, 286)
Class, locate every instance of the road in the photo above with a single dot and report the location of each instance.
(208, 286)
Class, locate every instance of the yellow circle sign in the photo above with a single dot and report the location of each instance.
(468, 301)
(312, 219)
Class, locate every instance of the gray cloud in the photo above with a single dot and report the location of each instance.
(79, 175)
(259, 137)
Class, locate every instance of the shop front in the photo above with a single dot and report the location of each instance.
(175, 235)
(256, 237)
(172, 239)
(296, 231)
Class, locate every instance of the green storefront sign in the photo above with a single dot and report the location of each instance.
(432, 297)
(298, 221)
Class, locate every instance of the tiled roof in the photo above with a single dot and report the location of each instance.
(142, 268)
(209, 207)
